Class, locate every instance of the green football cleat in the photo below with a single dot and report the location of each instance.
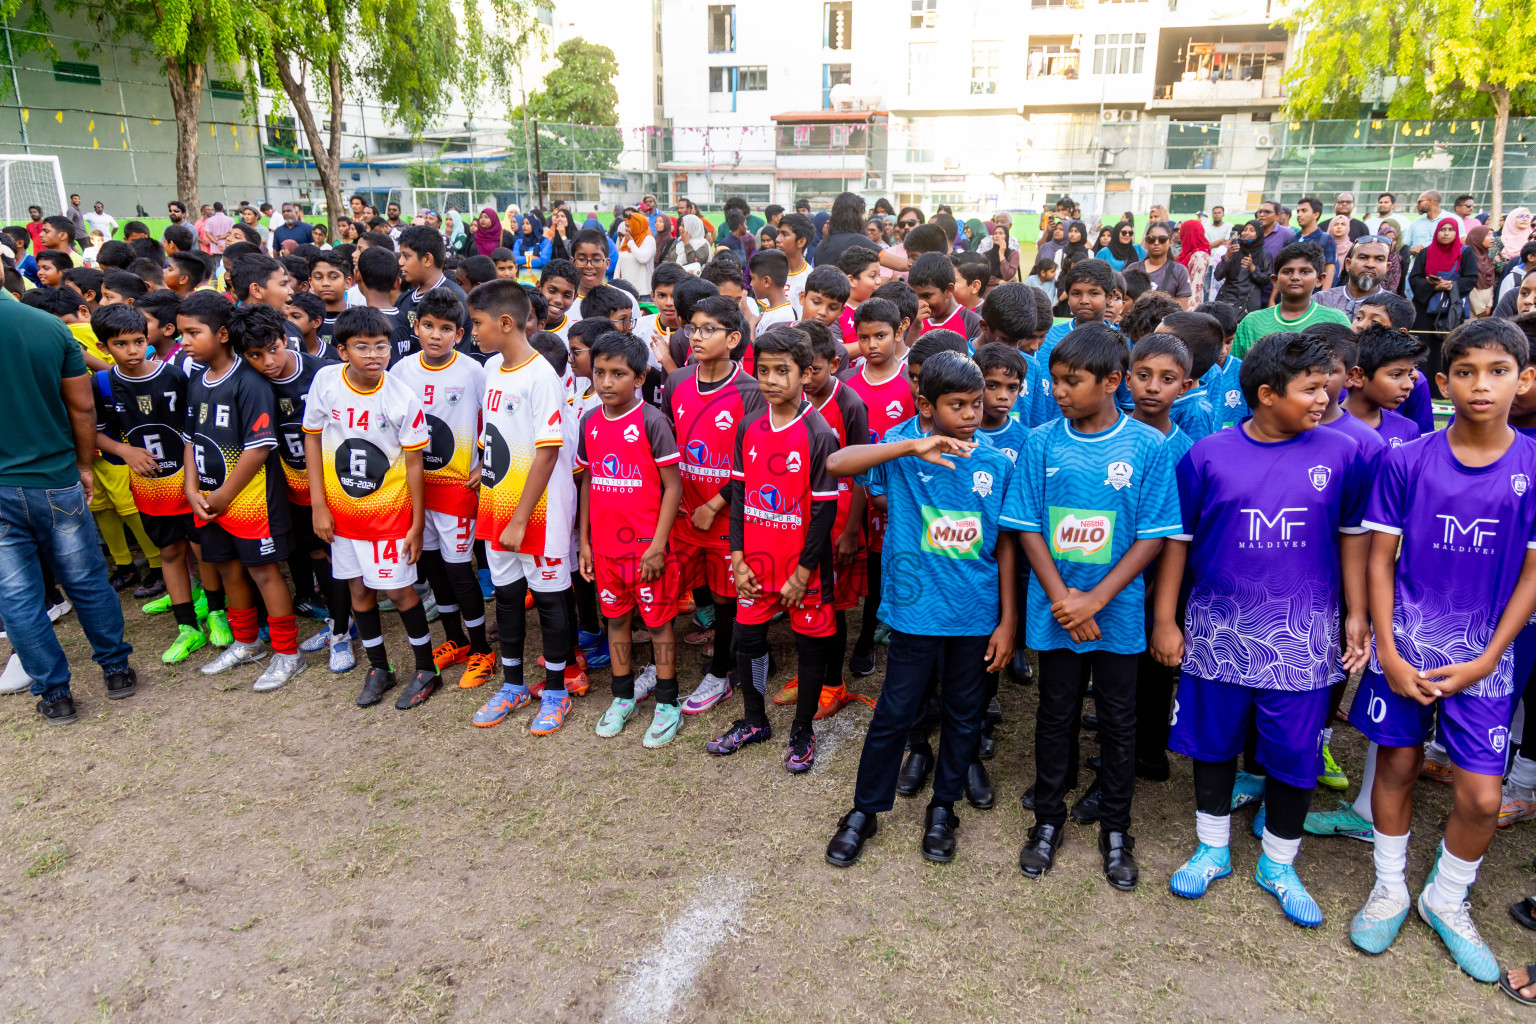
(1332, 775)
(159, 606)
(200, 604)
(188, 639)
(218, 629)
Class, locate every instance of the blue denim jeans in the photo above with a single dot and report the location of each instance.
(37, 523)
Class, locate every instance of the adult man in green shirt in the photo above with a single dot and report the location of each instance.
(1297, 268)
(45, 490)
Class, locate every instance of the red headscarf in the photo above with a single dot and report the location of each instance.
(487, 239)
(1439, 258)
(1191, 240)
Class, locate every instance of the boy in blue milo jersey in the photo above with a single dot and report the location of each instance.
(1221, 380)
(1272, 536)
(1092, 497)
(1195, 410)
(1160, 373)
(1003, 370)
(949, 598)
(1452, 570)
(1010, 317)
(1087, 286)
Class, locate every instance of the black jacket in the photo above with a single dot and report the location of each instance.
(1246, 289)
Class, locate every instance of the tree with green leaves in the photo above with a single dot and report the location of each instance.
(184, 36)
(410, 56)
(579, 89)
(1427, 58)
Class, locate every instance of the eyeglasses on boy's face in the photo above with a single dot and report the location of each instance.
(589, 261)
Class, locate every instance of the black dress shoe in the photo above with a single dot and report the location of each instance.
(1020, 670)
(1086, 810)
(58, 712)
(940, 824)
(1153, 771)
(1039, 851)
(1028, 799)
(120, 683)
(1119, 863)
(978, 787)
(914, 773)
(994, 711)
(847, 843)
(986, 746)
(1090, 722)
(1094, 763)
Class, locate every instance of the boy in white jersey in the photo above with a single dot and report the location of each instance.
(527, 501)
(770, 276)
(363, 435)
(450, 386)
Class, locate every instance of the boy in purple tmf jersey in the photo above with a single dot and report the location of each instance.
(1272, 534)
(1452, 582)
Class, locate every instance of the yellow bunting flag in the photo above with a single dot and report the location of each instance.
(59, 117)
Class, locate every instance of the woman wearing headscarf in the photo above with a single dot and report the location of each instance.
(1246, 271)
(1513, 235)
(637, 252)
(1443, 264)
(974, 233)
(1076, 248)
(1392, 231)
(1004, 221)
(559, 234)
(1480, 241)
(1003, 258)
(1195, 257)
(1052, 247)
(665, 240)
(692, 250)
(453, 228)
(819, 222)
(532, 249)
(488, 232)
(1122, 249)
(1105, 236)
(1338, 230)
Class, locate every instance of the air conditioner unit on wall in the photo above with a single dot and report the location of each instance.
(1264, 140)
(1109, 115)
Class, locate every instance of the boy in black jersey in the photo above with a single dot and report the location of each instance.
(329, 279)
(262, 281)
(236, 496)
(378, 271)
(139, 416)
(317, 594)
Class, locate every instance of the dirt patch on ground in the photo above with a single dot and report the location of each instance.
(200, 852)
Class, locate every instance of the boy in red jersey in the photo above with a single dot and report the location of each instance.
(237, 493)
(629, 499)
(846, 414)
(863, 269)
(708, 400)
(825, 297)
(887, 394)
(527, 503)
(933, 278)
(783, 504)
(364, 431)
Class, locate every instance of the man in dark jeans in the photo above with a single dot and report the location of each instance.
(45, 491)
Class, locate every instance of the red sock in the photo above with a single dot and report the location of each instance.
(242, 623)
(284, 632)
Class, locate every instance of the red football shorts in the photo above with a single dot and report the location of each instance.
(850, 583)
(709, 566)
(807, 620)
(620, 589)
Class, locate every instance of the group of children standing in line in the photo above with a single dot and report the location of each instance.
(1213, 543)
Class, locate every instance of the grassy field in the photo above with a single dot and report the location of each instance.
(200, 852)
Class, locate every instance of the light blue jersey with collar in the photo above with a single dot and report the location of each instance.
(1224, 392)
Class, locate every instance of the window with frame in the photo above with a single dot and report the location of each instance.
(919, 149)
(1055, 3)
(748, 79)
(986, 61)
(722, 28)
(1119, 54)
(920, 63)
(757, 195)
(833, 74)
(925, 13)
(837, 25)
(1052, 57)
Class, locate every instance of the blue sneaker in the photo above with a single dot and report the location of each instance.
(704, 617)
(553, 707)
(1281, 881)
(487, 588)
(1247, 789)
(1456, 930)
(1207, 865)
(1375, 927)
(1346, 821)
(598, 655)
(590, 641)
(503, 702)
(1258, 824)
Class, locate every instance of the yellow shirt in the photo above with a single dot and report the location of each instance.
(88, 341)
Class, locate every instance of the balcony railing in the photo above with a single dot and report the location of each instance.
(1052, 65)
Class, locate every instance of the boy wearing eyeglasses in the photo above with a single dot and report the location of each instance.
(593, 254)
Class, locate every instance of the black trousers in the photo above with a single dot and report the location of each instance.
(909, 662)
(1155, 683)
(1062, 674)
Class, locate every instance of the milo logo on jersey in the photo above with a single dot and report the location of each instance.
(1081, 535)
(952, 534)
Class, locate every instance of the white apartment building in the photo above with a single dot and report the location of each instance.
(982, 104)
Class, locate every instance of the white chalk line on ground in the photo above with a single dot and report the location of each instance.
(665, 973)
(831, 732)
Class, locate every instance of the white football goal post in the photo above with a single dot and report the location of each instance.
(27, 180)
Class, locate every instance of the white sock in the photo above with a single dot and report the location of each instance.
(1455, 878)
(1391, 857)
(1213, 829)
(1523, 773)
(1368, 779)
(1327, 736)
(1281, 851)
(1435, 751)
